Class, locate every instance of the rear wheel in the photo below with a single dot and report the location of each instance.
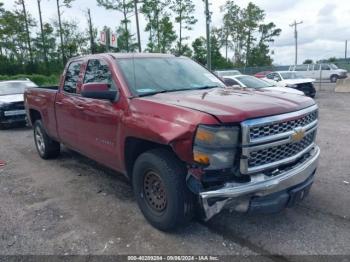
(161, 191)
(46, 147)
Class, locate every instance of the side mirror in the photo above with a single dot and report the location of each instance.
(276, 79)
(98, 91)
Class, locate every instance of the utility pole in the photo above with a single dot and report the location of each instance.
(27, 30)
(346, 49)
(295, 24)
(61, 33)
(137, 25)
(43, 36)
(92, 43)
(208, 20)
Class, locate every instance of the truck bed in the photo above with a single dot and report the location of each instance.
(42, 99)
(48, 87)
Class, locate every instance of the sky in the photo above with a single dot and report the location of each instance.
(322, 34)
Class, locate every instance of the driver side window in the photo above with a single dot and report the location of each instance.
(270, 76)
(97, 71)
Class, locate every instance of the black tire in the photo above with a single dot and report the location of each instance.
(334, 78)
(178, 207)
(46, 147)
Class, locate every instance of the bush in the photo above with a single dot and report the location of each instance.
(40, 80)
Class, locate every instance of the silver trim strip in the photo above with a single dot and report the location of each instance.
(248, 170)
(246, 125)
(246, 150)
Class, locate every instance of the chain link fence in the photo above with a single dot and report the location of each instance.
(257, 69)
(322, 77)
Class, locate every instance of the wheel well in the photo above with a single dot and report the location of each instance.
(134, 147)
(34, 115)
(334, 75)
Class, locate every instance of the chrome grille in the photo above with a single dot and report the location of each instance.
(269, 142)
(277, 153)
(281, 127)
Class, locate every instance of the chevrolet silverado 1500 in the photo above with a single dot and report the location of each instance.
(189, 144)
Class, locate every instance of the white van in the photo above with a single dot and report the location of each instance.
(320, 71)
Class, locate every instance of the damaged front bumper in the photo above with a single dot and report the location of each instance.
(275, 191)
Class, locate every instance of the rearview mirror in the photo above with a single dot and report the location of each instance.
(98, 91)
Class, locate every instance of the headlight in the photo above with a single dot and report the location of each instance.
(216, 147)
(291, 86)
(217, 137)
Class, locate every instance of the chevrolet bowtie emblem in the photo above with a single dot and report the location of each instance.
(298, 134)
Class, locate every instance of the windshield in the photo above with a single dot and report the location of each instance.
(147, 76)
(289, 75)
(11, 88)
(228, 73)
(253, 82)
(333, 66)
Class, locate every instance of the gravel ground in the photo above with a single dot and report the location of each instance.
(72, 205)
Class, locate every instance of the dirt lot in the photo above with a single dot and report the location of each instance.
(72, 205)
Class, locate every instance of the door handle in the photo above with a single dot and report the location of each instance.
(59, 103)
(79, 107)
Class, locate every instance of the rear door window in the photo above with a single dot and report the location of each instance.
(325, 67)
(301, 67)
(98, 71)
(72, 77)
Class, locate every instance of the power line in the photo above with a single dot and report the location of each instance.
(295, 24)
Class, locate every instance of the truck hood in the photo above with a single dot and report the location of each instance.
(4, 99)
(231, 105)
(284, 90)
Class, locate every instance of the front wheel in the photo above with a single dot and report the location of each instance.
(46, 147)
(334, 78)
(161, 191)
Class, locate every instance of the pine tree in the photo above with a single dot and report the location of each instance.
(184, 10)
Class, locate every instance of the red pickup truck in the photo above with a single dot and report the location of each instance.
(189, 144)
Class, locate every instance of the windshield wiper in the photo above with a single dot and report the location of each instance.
(175, 90)
(205, 87)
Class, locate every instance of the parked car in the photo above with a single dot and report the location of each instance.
(320, 71)
(12, 103)
(247, 81)
(292, 80)
(187, 142)
(227, 73)
(262, 74)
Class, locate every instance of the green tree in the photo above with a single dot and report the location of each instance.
(23, 15)
(184, 10)
(200, 53)
(154, 11)
(200, 50)
(252, 15)
(308, 61)
(186, 50)
(75, 41)
(43, 44)
(229, 32)
(62, 4)
(126, 41)
(260, 53)
(167, 34)
(126, 7)
(53, 64)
